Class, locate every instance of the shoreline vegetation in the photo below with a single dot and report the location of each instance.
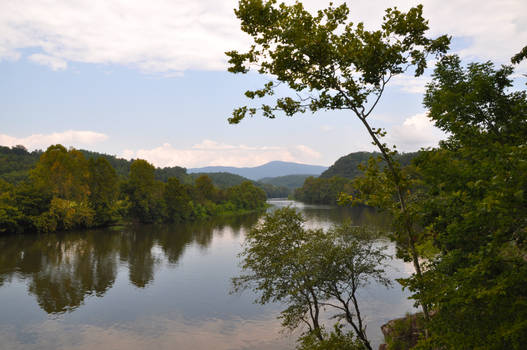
(66, 190)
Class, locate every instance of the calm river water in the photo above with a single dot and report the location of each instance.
(156, 287)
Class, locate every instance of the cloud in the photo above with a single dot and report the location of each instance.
(154, 36)
(410, 84)
(210, 152)
(174, 36)
(45, 60)
(415, 132)
(42, 141)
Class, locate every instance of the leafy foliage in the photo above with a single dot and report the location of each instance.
(475, 209)
(310, 269)
(67, 191)
(322, 190)
(291, 182)
(331, 64)
(348, 166)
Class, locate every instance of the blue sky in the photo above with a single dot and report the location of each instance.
(147, 79)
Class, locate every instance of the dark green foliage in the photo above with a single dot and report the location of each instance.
(348, 166)
(104, 190)
(225, 180)
(335, 340)
(475, 208)
(205, 190)
(520, 56)
(246, 196)
(221, 180)
(67, 191)
(322, 190)
(290, 182)
(15, 163)
(178, 200)
(163, 174)
(273, 191)
(120, 165)
(404, 333)
(145, 192)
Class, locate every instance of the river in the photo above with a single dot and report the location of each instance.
(158, 287)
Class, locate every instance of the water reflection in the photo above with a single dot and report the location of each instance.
(62, 269)
(154, 286)
(326, 215)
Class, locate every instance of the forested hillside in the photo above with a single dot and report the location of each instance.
(289, 181)
(348, 166)
(339, 177)
(224, 180)
(65, 190)
(16, 162)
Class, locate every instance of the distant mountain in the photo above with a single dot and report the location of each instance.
(347, 166)
(290, 181)
(271, 169)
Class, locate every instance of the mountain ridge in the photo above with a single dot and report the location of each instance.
(271, 169)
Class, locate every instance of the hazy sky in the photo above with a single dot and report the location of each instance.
(147, 79)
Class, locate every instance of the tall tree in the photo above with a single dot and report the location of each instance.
(331, 64)
(103, 185)
(475, 208)
(146, 194)
(64, 172)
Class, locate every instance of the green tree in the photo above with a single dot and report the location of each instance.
(475, 208)
(310, 270)
(247, 196)
(146, 194)
(104, 190)
(205, 189)
(177, 201)
(64, 172)
(331, 64)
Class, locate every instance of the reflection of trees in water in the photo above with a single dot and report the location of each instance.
(360, 216)
(326, 215)
(136, 249)
(63, 268)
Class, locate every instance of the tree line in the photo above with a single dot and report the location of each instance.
(338, 178)
(65, 190)
(16, 163)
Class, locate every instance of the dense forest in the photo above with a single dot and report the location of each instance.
(16, 163)
(339, 177)
(224, 180)
(290, 182)
(66, 189)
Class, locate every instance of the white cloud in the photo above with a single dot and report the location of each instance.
(411, 84)
(155, 36)
(45, 60)
(210, 152)
(178, 35)
(415, 132)
(42, 141)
